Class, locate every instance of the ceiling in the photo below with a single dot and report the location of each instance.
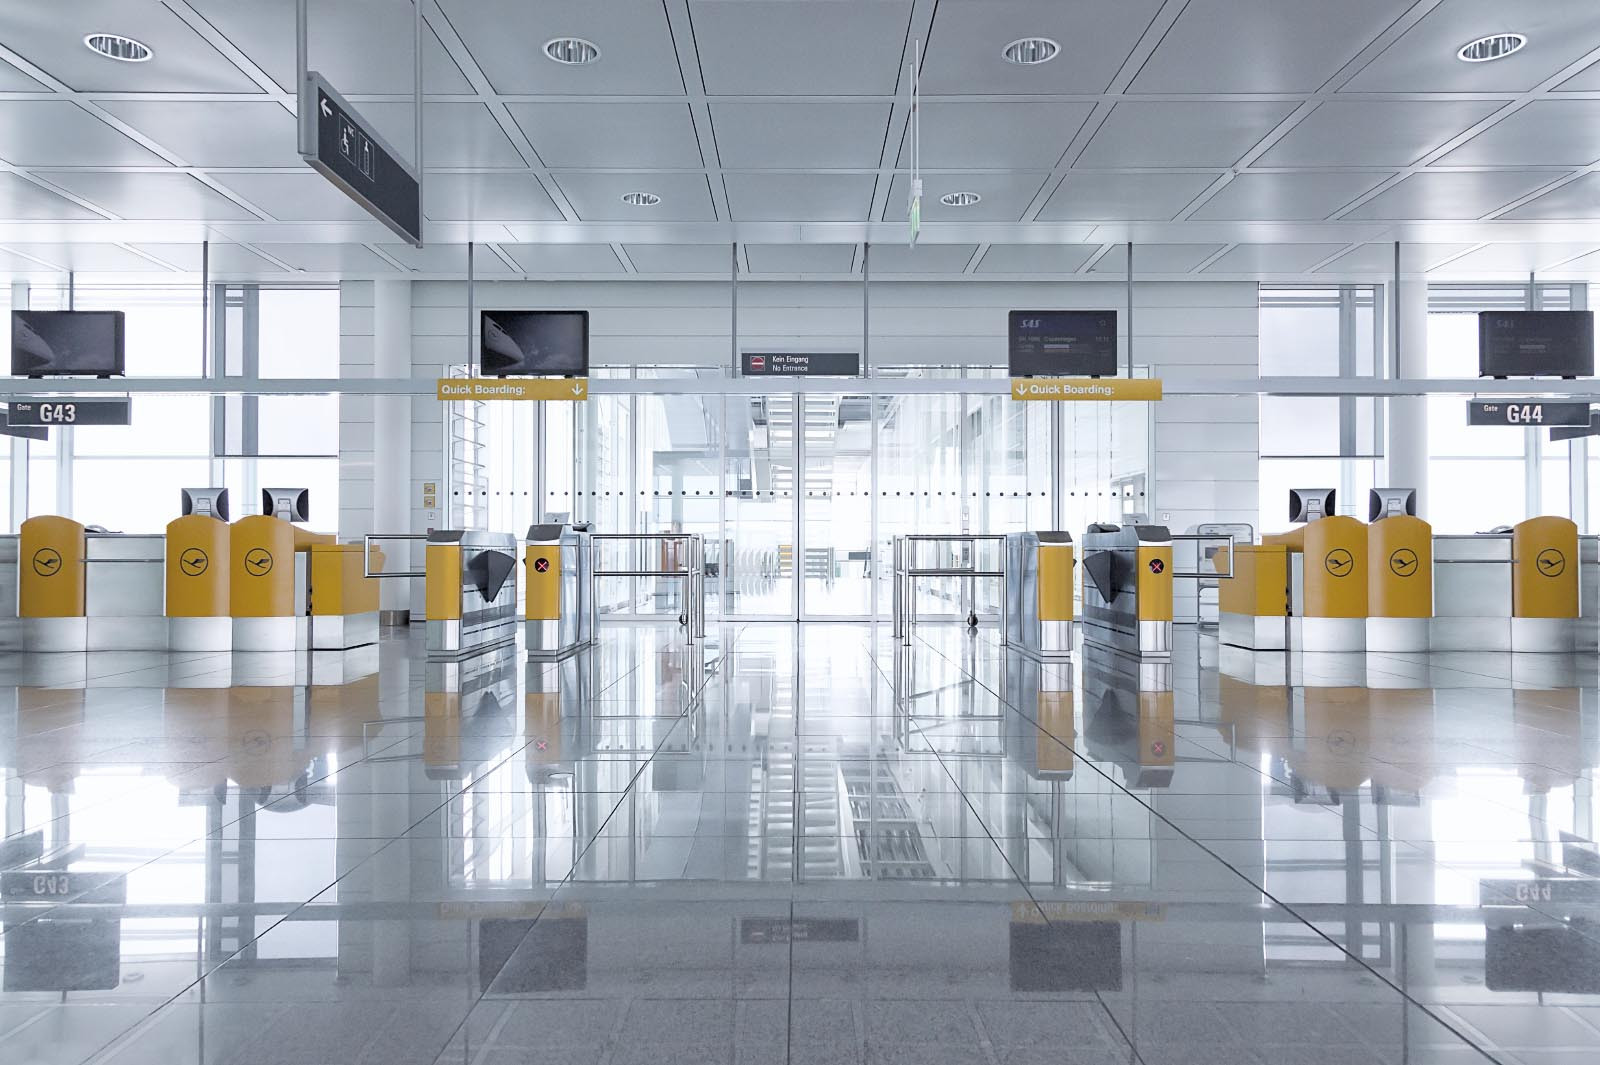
(1274, 139)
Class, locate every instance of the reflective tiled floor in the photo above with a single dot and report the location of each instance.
(799, 844)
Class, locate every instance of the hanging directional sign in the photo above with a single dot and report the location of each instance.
(70, 411)
(1573, 432)
(1539, 413)
(801, 364)
(470, 389)
(24, 432)
(341, 145)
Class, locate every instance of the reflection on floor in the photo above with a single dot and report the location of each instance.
(799, 844)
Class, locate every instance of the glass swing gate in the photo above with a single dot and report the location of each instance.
(799, 495)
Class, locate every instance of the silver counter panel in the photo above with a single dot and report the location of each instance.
(10, 625)
(125, 592)
(1471, 593)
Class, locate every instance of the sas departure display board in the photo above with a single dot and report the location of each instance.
(1536, 344)
(1063, 343)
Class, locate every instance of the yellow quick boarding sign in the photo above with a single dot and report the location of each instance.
(464, 389)
(1086, 389)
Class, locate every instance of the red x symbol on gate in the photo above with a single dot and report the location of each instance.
(542, 565)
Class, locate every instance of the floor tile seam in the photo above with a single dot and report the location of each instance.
(1240, 874)
(1017, 877)
(164, 855)
(706, 678)
(119, 1041)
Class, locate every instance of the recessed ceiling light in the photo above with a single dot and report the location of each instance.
(1031, 51)
(960, 199)
(116, 46)
(572, 51)
(1494, 46)
(640, 199)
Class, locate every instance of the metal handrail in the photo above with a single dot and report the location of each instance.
(1197, 537)
(366, 555)
(692, 575)
(903, 597)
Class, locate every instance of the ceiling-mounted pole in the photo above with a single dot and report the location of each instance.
(733, 308)
(303, 128)
(471, 372)
(1130, 308)
(1533, 293)
(866, 310)
(71, 291)
(205, 308)
(1395, 313)
(416, 98)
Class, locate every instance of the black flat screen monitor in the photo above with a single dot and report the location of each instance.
(1536, 344)
(212, 502)
(1391, 503)
(67, 343)
(290, 504)
(1309, 504)
(1062, 343)
(534, 343)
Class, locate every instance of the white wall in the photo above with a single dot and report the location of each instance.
(1206, 448)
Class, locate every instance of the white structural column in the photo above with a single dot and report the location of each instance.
(391, 434)
(1408, 416)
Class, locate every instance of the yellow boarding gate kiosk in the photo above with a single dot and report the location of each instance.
(1400, 577)
(268, 574)
(1327, 573)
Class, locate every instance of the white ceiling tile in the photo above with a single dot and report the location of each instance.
(1123, 197)
(1268, 258)
(1588, 264)
(1586, 80)
(1154, 258)
(60, 133)
(440, 257)
(581, 135)
(714, 259)
(801, 258)
(22, 200)
(14, 80)
(507, 39)
(1288, 197)
(1374, 132)
(800, 197)
(1516, 259)
(226, 258)
(294, 196)
(1377, 260)
(923, 259)
(454, 134)
(107, 258)
(1544, 133)
(146, 195)
(1221, 46)
(1180, 133)
(360, 46)
(351, 260)
(1560, 32)
(505, 196)
(214, 132)
(51, 38)
(788, 48)
(984, 135)
(1035, 258)
(1005, 196)
(597, 197)
(1577, 199)
(963, 53)
(820, 136)
(1452, 196)
(553, 259)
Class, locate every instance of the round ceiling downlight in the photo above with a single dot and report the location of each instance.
(1495, 46)
(1031, 51)
(116, 46)
(572, 51)
(960, 199)
(640, 199)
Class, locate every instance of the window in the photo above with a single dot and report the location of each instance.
(1319, 441)
(1481, 477)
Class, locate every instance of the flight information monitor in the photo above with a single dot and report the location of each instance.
(1536, 344)
(67, 343)
(1063, 343)
(534, 343)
